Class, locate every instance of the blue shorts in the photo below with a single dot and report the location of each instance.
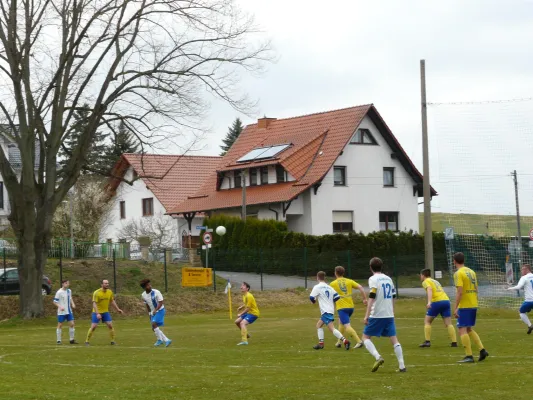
(467, 317)
(344, 315)
(65, 317)
(159, 318)
(326, 318)
(526, 307)
(380, 327)
(106, 317)
(440, 307)
(249, 317)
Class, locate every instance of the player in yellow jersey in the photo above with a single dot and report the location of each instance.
(345, 307)
(438, 303)
(466, 308)
(248, 315)
(101, 299)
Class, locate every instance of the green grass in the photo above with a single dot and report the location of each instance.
(477, 223)
(205, 363)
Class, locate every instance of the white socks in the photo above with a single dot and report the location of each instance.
(525, 319)
(320, 332)
(58, 334)
(160, 335)
(399, 355)
(71, 333)
(371, 348)
(337, 334)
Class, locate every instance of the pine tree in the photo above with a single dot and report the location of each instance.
(123, 142)
(232, 135)
(95, 156)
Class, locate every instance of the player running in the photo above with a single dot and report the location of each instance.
(526, 282)
(248, 315)
(466, 308)
(153, 299)
(65, 304)
(438, 303)
(101, 299)
(345, 307)
(379, 317)
(327, 296)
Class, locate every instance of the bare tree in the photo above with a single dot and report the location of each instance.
(160, 228)
(146, 63)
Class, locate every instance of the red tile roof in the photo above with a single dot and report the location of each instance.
(316, 142)
(172, 178)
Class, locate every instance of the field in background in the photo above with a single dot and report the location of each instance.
(477, 223)
(205, 363)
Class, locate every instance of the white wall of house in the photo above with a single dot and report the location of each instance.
(364, 193)
(133, 195)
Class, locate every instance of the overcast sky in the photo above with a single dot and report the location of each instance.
(345, 53)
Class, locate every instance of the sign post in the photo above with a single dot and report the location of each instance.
(208, 237)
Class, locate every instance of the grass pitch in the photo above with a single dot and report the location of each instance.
(204, 362)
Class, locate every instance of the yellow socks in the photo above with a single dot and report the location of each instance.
(351, 332)
(112, 334)
(244, 334)
(427, 332)
(475, 338)
(89, 335)
(451, 333)
(465, 340)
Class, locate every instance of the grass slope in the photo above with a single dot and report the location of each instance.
(205, 363)
(477, 223)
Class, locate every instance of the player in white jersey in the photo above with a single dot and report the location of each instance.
(153, 299)
(326, 296)
(526, 282)
(65, 304)
(379, 317)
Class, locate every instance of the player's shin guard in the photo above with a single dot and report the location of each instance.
(427, 332)
(351, 332)
(399, 355)
(112, 334)
(451, 333)
(320, 332)
(465, 340)
(342, 330)
(244, 334)
(58, 334)
(371, 349)
(71, 332)
(158, 334)
(337, 334)
(474, 337)
(525, 319)
(89, 335)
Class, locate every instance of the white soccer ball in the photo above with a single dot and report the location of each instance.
(221, 230)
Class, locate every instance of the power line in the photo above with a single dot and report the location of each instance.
(466, 103)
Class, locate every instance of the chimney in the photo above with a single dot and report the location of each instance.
(263, 123)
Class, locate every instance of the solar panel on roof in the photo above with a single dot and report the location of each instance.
(263, 153)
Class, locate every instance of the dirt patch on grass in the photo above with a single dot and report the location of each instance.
(194, 301)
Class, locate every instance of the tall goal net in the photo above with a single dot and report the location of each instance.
(474, 150)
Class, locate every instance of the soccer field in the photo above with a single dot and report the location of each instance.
(204, 362)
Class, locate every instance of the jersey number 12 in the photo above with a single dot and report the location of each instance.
(386, 290)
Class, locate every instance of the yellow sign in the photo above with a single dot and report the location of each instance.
(195, 277)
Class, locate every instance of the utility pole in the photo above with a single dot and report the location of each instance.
(428, 232)
(243, 177)
(519, 236)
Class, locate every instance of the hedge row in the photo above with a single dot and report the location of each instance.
(270, 234)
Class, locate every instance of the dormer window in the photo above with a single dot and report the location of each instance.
(363, 136)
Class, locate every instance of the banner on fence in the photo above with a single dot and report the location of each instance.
(509, 272)
(196, 277)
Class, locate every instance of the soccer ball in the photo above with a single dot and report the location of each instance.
(221, 230)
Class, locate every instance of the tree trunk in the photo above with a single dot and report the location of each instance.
(32, 259)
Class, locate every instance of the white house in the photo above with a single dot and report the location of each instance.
(330, 172)
(147, 186)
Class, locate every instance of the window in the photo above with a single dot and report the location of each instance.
(264, 175)
(12, 274)
(280, 174)
(253, 177)
(339, 176)
(148, 207)
(342, 221)
(1, 195)
(363, 136)
(237, 178)
(388, 221)
(122, 210)
(388, 176)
